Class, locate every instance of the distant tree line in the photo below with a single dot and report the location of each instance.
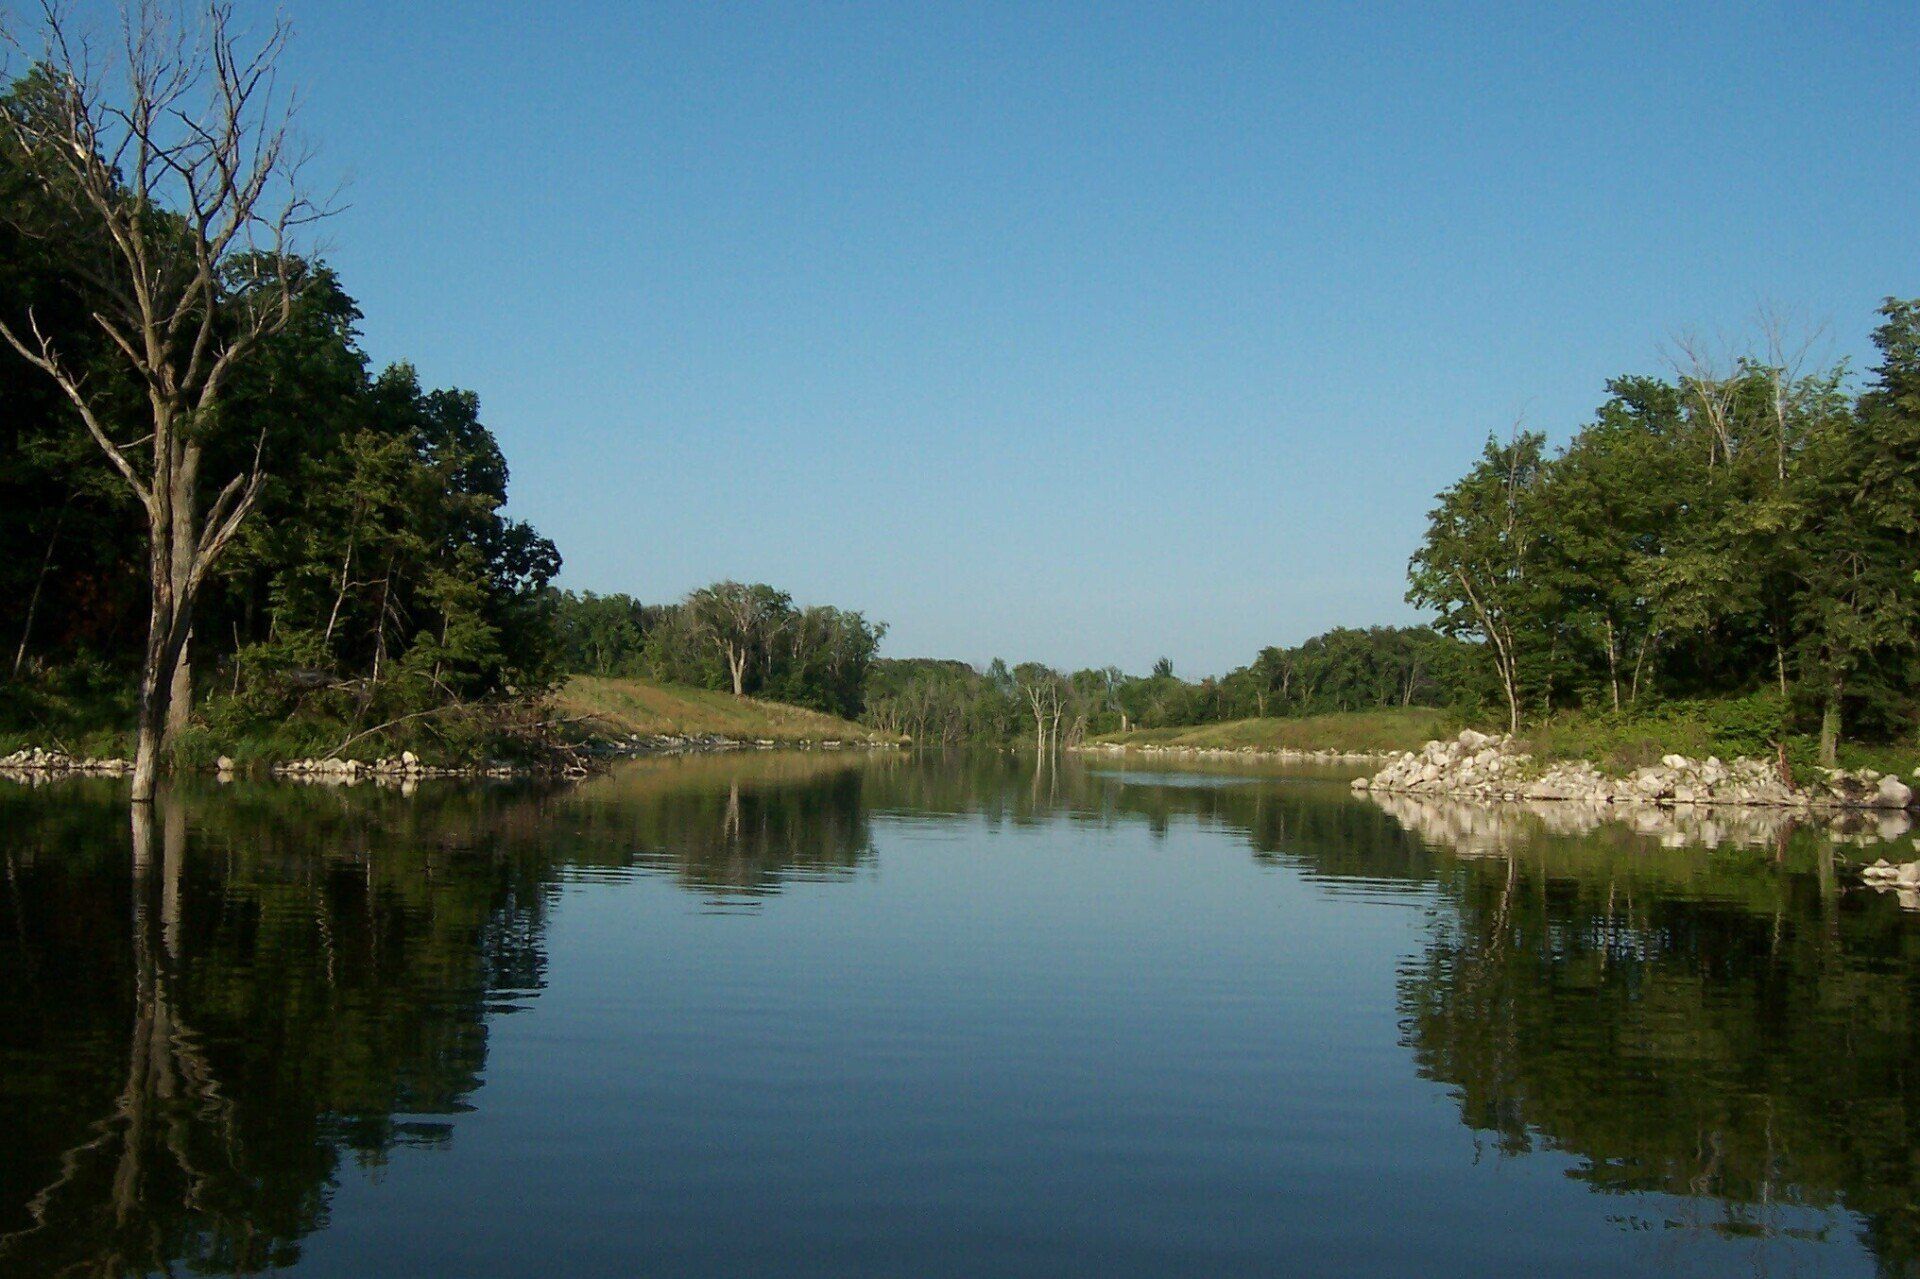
(1747, 528)
(749, 639)
(1345, 669)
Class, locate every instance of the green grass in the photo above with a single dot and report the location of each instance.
(630, 707)
(1393, 729)
(1726, 727)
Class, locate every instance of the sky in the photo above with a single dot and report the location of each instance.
(1079, 333)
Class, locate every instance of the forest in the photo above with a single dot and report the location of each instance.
(223, 524)
(1742, 530)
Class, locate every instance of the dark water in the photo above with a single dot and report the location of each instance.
(825, 1015)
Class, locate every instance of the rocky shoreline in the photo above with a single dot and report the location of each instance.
(38, 761)
(1486, 767)
(37, 765)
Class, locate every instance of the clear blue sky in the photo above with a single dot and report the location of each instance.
(1084, 333)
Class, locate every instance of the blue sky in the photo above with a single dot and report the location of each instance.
(1085, 333)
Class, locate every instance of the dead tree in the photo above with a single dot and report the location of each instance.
(176, 167)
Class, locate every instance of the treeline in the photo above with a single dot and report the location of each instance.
(212, 505)
(1345, 669)
(1748, 530)
(752, 640)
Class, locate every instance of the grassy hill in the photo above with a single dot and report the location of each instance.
(636, 707)
(1392, 729)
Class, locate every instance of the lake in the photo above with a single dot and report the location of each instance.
(830, 1014)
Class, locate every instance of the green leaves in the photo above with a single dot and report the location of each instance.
(1728, 533)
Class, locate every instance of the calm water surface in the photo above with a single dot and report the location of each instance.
(826, 1015)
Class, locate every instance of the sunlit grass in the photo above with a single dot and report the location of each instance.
(641, 707)
(1392, 728)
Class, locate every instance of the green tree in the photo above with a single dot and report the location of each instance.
(1480, 564)
(179, 181)
(1858, 601)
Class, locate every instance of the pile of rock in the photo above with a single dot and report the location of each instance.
(406, 767)
(1484, 766)
(36, 759)
(1884, 874)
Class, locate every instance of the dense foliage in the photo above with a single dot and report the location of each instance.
(750, 639)
(1710, 536)
(375, 580)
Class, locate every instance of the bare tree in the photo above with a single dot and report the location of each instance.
(1787, 350)
(1709, 375)
(177, 165)
(1045, 693)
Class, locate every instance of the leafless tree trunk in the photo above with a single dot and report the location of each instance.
(178, 165)
(180, 694)
(1786, 356)
(1711, 381)
(39, 583)
(1613, 664)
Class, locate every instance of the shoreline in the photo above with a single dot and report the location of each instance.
(1286, 754)
(35, 765)
(1486, 767)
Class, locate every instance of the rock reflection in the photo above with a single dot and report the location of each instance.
(1477, 828)
(1733, 1032)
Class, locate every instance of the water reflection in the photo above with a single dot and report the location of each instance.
(1741, 1037)
(209, 1020)
(199, 1034)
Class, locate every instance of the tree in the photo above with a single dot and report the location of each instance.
(1479, 565)
(1045, 694)
(1858, 597)
(178, 175)
(739, 621)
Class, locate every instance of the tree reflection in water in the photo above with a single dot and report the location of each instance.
(199, 1040)
(1729, 1029)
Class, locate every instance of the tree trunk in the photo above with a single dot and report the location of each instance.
(1830, 723)
(180, 697)
(33, 600)
(169, 619)
(156, 689)
(1613, 666)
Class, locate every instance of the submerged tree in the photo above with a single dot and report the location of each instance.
(177, 174)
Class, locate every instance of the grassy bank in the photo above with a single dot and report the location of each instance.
(636, 707)
(1724, 727)
(1392, 729)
